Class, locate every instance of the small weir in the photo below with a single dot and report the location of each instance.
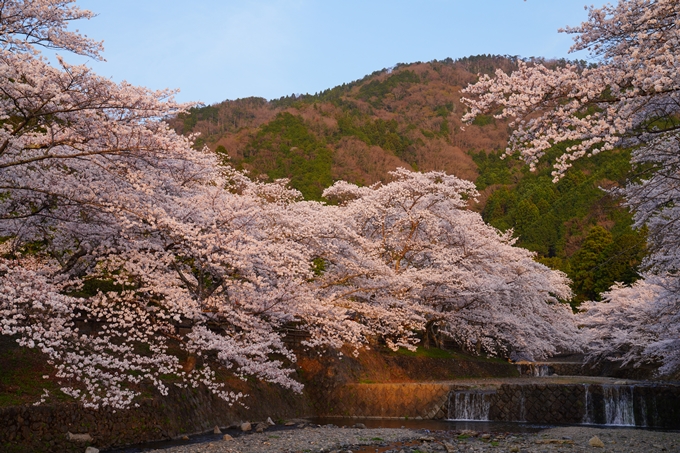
(631, 405)
(545, 401)
(469, 406)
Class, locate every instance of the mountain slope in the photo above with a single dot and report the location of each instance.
(409, 116)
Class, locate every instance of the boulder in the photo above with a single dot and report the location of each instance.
(596, 442)
(79, 437)
(246, 426)
(450, 448)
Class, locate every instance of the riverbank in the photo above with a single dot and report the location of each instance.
(327, 439)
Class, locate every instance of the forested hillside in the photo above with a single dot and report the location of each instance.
(410, 116)
(407, 116)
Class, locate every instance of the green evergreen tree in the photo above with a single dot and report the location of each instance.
(586, 263)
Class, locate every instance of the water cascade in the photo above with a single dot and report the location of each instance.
(522, 407)
(588, 417)
(618, 405)
(535, 369)
(613, 405)
(469, 406)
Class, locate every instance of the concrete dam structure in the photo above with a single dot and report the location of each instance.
(551, 400)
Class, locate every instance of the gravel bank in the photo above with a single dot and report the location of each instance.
(385, 440)
(312, 440)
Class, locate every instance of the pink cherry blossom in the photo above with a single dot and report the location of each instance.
(628, 97)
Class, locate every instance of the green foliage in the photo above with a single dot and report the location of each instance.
(285, 148)
(493, 169)
(444, 110)
(379, 132)
(223, 155)
(92, 286)
(376, 90)
(21, 375)
(318, 266)
(435, 353)
(196, 114)
(444, 128)
(199, 143)
(483, 120)
(601, 261)
(587, 261)
(574, 225)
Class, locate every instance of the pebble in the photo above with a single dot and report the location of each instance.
(331, 439)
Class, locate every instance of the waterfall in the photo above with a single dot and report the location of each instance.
(615, 408)
(587, 418)
(469, 406)
(541, 370)
(643, 412)
(618, 405)
(534, 369)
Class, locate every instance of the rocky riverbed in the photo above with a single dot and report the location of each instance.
(331, 439)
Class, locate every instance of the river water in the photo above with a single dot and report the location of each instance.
(429, 425)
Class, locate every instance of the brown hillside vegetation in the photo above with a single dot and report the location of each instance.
(407, 116)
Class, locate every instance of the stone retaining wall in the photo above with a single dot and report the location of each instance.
(538, 403)
(46, 428)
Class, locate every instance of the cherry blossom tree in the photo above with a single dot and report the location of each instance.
(635, 325)
(454, 272)
(128, 256)
(190, 270)
(629, 97)
(27, 24)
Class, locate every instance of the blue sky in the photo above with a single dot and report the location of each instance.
(214, 50)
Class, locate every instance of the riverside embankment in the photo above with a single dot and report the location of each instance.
(373, 385)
